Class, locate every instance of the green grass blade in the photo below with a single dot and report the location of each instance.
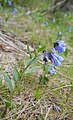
(9, 83)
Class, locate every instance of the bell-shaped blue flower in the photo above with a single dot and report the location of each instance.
(28, 12)
(53, 57)
(59, 46)
(59, 33)
(14, 10)
(9, 3)
(60, 58)
(52, 70)
(56, 59)
(46, 23)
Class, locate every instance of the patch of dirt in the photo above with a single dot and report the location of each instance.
(11, 50)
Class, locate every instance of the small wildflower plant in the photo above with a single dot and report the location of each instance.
(51, 60)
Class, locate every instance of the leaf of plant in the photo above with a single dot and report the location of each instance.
(45, 79)
(37, 93)
(35, 52)
(7, 102)
(41, 49)
(47, 67)
(28, 48)
(4, 2)
(71, 87)
(66, 52)
(32, 59)
(0, 82)
(9, 83)
(32, 69)
(15, 74)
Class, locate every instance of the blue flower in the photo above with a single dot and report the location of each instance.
(53, 20)
(46, 23)
(60, 58)
(53, 57)
(9, 3)
(59, 33)
(52, 70)
(28, 12)
(59, 46)
(56, 59)
(14, 10)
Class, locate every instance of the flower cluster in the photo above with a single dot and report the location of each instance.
(14, 9)
(59, 46)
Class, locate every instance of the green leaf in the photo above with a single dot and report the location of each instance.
(9, 83)
(7, 102)
(28, 48)
(35, 52)
(47, 67)
(32, 69)
(31, 60)
(41, 49)
(71, 86)
(0, 82)
(37, 93)
(45, 79)
(66, 52)
(15, 74)
(62, 84)
(6, 16)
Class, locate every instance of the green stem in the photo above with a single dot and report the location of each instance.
(71, 85)
(27, 67)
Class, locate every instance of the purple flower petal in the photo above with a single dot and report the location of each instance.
(59, 33)
(55, 61)
(46, 23)
(55, 58)
(9, 3)
(59, 46)
(60, 58)
(53, 20)
(14, 10)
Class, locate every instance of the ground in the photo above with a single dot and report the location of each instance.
(55, 98)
